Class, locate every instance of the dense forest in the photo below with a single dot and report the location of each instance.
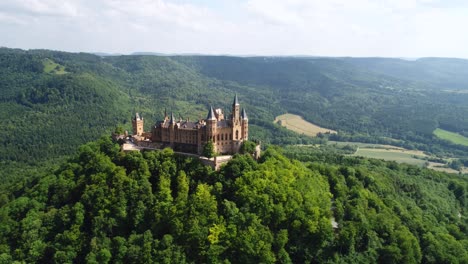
(103, 205)
(65, 202)
(51, 102)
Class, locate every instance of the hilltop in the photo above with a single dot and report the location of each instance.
(103, 205)
(51, 102)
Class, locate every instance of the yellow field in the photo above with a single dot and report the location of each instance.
(299, 125)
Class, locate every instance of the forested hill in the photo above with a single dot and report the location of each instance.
(51, 102)
(106, 206)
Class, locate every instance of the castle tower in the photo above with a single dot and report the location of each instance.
(235, 108)
(236, 121)
(211, 123)
(171, 130)
(244, 125)
(137, 125)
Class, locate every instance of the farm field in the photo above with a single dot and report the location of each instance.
(363, 145)
(297, 124)
(394, 153)
(450, 136)
(401, 156)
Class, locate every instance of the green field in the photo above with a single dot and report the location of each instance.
(362, 145)
(392, 155)
(52, 67)
(452, 137)
(385, 152)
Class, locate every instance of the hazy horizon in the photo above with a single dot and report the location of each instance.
(338, 28)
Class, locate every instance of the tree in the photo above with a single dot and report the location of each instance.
(247, 147)
(208, 149)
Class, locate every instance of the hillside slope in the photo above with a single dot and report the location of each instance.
(50, 102)
(105, 206)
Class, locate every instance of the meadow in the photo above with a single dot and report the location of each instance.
(52, 67)
(401, 156)
(451, 136)
(297, 124)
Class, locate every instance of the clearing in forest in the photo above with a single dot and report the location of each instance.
(451, 136)
(398, 155)
(52, 67)
(297, 124)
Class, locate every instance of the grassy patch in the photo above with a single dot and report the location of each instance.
(401, 156)
(450, 136)
(297, 124)
(52, 67)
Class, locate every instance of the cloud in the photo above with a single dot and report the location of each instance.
(41, 8)
(267, 27)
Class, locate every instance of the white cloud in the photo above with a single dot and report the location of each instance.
(41, 8)
(276, 27)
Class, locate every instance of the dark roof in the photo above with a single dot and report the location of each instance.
(172, 119)
(211, 115)
(187, 125)
(180, 125)
(236, 101)
(244, 114)
(222, 123)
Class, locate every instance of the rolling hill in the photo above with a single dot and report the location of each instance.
(51, 102)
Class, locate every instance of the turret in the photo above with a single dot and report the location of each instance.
(235, 108)
(244, 125)
(172, 120)
(236, 121)
(211, 123)
(244, 115)
(172, 133)
(137, 125)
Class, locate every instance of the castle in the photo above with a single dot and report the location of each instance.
(226, 135)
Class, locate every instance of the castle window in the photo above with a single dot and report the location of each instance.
(218, 137)
(222, 136)
(237, 134)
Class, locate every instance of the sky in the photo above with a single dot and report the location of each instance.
(357, 28)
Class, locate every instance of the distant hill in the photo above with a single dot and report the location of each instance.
(435, 73)
(50, 101)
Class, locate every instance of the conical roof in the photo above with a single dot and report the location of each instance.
(172, 119)
(244, 114)
(211, 115)
(137, 116)
(236, 101)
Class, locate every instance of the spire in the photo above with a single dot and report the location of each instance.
(244, 114)
(211, 115)
(137, 116)
(236, 101)
(172, 119)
